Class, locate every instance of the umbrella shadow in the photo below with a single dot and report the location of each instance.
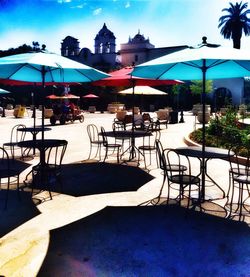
(79, 179)
(159, 240)
(18, 211)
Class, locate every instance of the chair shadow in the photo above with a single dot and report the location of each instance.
(79, 179)
(18, 210)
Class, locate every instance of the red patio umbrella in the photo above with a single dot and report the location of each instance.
(123, 77)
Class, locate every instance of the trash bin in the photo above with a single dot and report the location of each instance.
(19, 111)
(173, 117)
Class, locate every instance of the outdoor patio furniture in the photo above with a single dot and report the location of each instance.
(95, 140)
(148, 144)
(208, 154)
(239, 184)
(15, 137)
(116, 126)
(163, 117)
(10, 171)
(47, 174)
(110, 146)
(184, 182)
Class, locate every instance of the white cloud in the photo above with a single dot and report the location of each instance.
(127, 5)
(64, 1)
(97, 11)
(79, 6)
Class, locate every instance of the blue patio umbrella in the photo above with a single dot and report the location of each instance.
(3, 92)
(204, 62)
(44, 68)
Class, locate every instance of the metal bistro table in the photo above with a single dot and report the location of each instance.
(34, 131)
(132, 150)
(210, 153)
(41, 145)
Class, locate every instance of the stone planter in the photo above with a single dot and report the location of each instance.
(200, 117)
(223, 111)
(198, 108)
(242, 110)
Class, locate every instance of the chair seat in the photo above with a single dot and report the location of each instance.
(176, 167)
(147, 147)
(238, 171)
(184, 179)
(113, 145)
(97, 141)
(242, 179)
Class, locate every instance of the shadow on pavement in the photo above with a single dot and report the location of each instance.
(151, 240)
(81, 179)
(18, 210)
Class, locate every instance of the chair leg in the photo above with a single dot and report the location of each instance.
(118, 156)
(106, 154)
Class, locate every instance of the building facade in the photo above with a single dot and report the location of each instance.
(106, 57)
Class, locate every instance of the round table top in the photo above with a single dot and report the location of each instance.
(210, 152)
(34, 129)
(128, 133)
(41, 144)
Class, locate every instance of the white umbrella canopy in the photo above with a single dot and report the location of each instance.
(207, 61)
(143, 90)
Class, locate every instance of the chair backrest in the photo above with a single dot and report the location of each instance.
(160, 154)
(4, 163)
(93, 133)
(238, 164)
(54, 155)
(175, 163)
(116, 126)
(17, 136)
(104, 137)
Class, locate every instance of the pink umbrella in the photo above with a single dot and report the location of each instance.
(91, 95)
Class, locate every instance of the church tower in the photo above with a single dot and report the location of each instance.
(70, 47)
(105, 41)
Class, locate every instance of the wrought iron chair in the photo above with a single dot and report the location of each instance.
(15, 137)
(48, 174)
(120, 140)
(149, 145)
(95, 140)
(178, 172)
(110, 146)
(10, 171)
(239, 183)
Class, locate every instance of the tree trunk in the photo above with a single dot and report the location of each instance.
(236, 43)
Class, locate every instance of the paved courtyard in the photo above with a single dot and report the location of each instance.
(23, 249)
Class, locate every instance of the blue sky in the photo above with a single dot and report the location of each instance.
(165, 22)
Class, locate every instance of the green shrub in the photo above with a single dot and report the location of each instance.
(224, 132)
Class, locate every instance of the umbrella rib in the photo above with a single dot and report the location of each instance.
(13, 73)
(91, 80)
(165, 71)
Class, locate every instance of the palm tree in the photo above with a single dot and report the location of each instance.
(235, 22)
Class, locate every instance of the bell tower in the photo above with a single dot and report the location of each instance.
(105, 41)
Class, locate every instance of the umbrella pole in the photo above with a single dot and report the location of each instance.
(43, 85)
(133, 122)
(203, 164)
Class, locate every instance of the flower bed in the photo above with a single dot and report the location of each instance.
(225, 131)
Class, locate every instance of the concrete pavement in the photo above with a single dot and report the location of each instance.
(23, 249)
